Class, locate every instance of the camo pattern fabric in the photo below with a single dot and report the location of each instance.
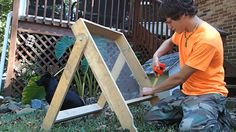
(205, 113)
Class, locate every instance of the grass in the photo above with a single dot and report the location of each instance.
(103, 122)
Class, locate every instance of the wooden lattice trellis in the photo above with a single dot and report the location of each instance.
(142, 53)
(37, 51)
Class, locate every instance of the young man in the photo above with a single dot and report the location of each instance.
(200, 105)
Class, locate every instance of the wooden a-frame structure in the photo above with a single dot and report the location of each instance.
(106, 79)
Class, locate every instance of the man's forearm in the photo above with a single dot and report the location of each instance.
(169, 83)
(165, 47)
(176, 79)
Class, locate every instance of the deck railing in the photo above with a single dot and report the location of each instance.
(117, 14)
(122, 15)
(149, 29)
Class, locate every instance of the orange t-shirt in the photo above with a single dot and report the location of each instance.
(204, 52)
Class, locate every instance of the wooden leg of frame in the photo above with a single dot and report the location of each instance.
(64, 84)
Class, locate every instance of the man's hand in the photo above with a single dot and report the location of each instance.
(147, 91)
(155, 61)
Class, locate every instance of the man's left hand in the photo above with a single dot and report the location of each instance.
(147, 91)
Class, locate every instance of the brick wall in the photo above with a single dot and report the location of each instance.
(221, 14)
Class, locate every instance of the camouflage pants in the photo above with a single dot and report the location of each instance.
(195, 113)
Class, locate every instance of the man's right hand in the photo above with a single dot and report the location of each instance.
(155, 61)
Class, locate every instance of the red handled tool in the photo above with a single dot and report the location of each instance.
(158, 71)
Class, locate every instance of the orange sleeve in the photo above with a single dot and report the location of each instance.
(175, 38)
(201, 56)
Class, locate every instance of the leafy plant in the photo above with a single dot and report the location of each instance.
(83, 77)
(62, 45)
(32, 91)
(80, 80)
(26, 71)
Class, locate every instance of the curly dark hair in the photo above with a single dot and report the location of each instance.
(174, 9)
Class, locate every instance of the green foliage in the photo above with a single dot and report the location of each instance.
(139, 56)
(32, 91)
(5, 7)
(30, 70)
(84, 77)
(84, 65)
(80, 80)
(62, 45)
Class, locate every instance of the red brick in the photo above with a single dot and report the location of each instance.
(221, 14)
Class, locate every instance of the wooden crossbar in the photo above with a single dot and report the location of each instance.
(77, 112)
(93, 108)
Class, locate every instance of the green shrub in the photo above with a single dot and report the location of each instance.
(32, 91)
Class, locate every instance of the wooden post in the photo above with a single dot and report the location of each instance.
(12, 49)
(64, 82)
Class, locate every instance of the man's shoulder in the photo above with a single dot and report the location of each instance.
(208, 34)
(207, 30)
